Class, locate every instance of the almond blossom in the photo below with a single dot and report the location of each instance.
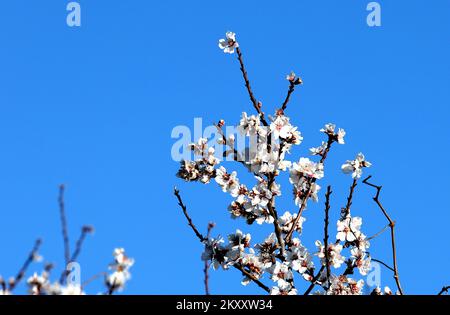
(229, 44)
(355, 166)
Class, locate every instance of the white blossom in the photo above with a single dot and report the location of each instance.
(349, 229)
(335, 258)
(355, 166)
(229, 44)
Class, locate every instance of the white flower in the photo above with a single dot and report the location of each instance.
(249, 125)
(72, 289)
(319, 150)
(360, 261)
(36, 283)
(348, 229)
(253, 263)
(305, 168)
(301, 190)
(355, 166)
(228, 182)
(287, 220)
(283, 288)
(298, 257)
(229, 44)
(266, 251)
(334, 254)
(121, 274)
(239, 240)
(260, 195)
(281, 273)
(330, 130)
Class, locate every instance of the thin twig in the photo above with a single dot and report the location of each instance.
(31, 257)
(286, 100)
(94, 277)
(384, 264)
(207, 264)
(183, 207)
(313, 281)
(65, 233)
(346, 210)
(326, 236)
(252, 277)
(202, 238)
(392, 226)
(378, 233)
(85, 230)
(256, 104)
(444, 289)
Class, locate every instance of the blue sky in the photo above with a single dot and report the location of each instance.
(93, 108)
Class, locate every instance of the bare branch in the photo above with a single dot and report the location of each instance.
(346, 209)
(191, 224)
(288, 96)
(326, 236)
(85, 230)
(256, 104)
(202, 238)
(31, 257)
(313, 281)
(252, 277)
(206, 267)
(65, 233)
(378, 233)
(392, 226)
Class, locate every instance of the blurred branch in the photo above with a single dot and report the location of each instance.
(31, 257)
(65, 233)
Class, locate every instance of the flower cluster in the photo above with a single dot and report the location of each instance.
(281, 256)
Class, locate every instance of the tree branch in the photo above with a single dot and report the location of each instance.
(31, 257)
(326, 236)
(346, 210)
(313, 281)
(202, 238)
(190, 223)
(288, 96)
(256, 104)
(252, 277)
(65, 232)
(392, 226)
(206, 267)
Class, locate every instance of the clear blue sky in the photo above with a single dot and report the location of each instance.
(93, 107)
